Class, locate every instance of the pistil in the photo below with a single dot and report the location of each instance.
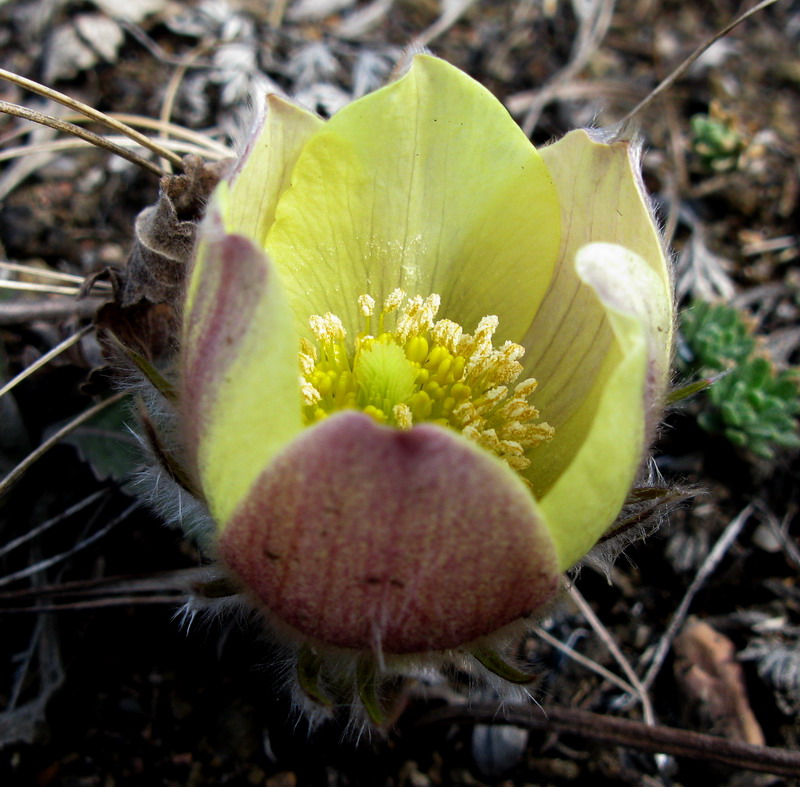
(423, 369)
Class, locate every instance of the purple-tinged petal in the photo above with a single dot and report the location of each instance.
(239, 395)
(367, 537)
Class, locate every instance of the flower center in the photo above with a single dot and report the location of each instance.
(423, 370)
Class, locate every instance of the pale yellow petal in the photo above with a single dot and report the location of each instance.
(607, 433)
(266, 167)
(601, 201)
(427, 185)
(239, 392)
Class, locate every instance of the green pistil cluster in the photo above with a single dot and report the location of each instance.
(423, 370)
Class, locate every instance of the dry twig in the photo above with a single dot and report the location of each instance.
(50, 309)
(81, 133)
(94, 114)
(80, 545)
(713, 559)
(53, 440)
(46, 358)
(639, 689)
(624, 732)
(667, 83)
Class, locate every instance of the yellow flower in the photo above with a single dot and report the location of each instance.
(421, 365)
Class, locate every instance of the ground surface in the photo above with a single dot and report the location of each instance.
(110, 690)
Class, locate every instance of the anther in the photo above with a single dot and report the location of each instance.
(327, 328)
(394, 299)
(402, 416)
(367, 305)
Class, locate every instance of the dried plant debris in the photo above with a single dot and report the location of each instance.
(39, 674)
(143, 314)
(708, 672)
(82, 688)
(778, 665)
(88, 41)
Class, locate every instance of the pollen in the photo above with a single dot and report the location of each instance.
(406, 367)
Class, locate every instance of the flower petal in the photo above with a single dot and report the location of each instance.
(364, 536)
(607, 433)
(266, 167)
(428, 185)
(602, 201)
(239, 392)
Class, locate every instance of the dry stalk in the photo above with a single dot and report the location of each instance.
(94, 114)
(713, 559)
(625, 732)
(46, 358)
(594, 25)
(584, 661)
(41, 565)
(677, 73)
(54, 439)
(639, 688)
(50, 309)
(81, 133)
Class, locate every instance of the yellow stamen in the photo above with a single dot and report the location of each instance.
(423, 369)
(367, 305)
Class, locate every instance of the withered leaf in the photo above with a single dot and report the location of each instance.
(706, 669)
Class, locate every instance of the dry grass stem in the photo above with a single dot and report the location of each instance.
(451, 14)
(51, 309)
(29, 286)
(584, 661)
(46, 358)
(170, 95)
(47, 273)
(80, 133)
(594, 23)
(639, 688)
(118, 142)
(41, 565)
(713, 559)
(39, 530)
(91, 112)
(100, 603)
(56, 438)
(677, 73)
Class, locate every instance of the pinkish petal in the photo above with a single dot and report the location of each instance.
(363, 536)
(239, 395)
(222, 307)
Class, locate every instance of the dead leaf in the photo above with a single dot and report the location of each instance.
(707, 671)
(131, 12)
(165, 234)
(143, 314)
(90, 39)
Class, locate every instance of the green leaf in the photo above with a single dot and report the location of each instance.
(367, 685)
(684, 392)
(494, 663)
(752, 404)
(107, 445)
(309, 666)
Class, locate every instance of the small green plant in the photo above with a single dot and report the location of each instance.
(717, 141)
(754, 405)
(718, 337)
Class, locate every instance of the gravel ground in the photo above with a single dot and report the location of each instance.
(101, 683)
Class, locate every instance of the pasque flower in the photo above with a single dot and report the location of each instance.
(420, 368)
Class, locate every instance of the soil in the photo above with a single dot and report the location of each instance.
(101, 683)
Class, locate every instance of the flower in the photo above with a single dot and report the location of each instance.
(381, 307)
